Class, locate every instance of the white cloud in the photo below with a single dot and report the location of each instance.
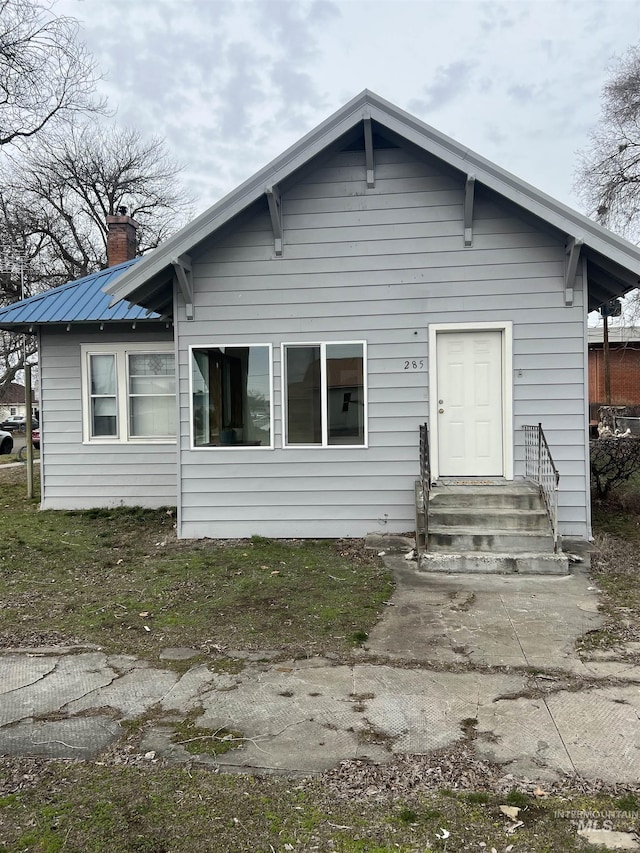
(231, 83)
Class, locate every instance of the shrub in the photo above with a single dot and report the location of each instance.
(613, 462)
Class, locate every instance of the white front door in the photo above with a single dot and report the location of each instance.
(470, 405)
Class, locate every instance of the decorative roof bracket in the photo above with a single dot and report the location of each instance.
(182, 268)
(368, 153)
(469, 193)
(573, 256)
(273, 197)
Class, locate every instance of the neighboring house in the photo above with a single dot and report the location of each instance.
(375, 276)
(13, 402)
(624, 366)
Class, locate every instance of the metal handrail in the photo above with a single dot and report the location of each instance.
(425, 482)
(539, 467)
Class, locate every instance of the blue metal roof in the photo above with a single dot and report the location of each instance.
(77, 301)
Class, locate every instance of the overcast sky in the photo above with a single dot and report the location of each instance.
(232, 83)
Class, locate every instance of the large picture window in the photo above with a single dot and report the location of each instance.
(130, 393)
(325, 394)
(231, 396)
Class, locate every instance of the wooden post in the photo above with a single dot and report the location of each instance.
(605, 355)
(28, 429)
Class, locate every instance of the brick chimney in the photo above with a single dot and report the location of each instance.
(121, 237)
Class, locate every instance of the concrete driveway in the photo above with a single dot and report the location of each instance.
(485, 659)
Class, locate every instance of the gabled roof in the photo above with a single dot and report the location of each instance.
(13, 393)
(613, 263)
(83, 300)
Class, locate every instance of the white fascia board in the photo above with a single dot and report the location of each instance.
(567, 220)
(236, 201)
(369, 105)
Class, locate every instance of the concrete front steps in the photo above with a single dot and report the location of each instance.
(497, 527)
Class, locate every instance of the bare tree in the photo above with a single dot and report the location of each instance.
(61, 172)
(608, 175)
(57, 198)
(47, 75)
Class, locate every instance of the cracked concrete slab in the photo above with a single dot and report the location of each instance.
(18, 671)
(593, 733)
(131, 694)
(521, 734)
(601, 730)
(318, 715)
(77, 737)
(190, 689)
(70, 678)
(305, 716)
(492, 620)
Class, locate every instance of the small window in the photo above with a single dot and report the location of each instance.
(325, 398)
(129, 392)
(151, 395)
(104, 401)
(231, 396)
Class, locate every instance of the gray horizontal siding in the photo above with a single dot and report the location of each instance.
(81, 476)
(377, 264)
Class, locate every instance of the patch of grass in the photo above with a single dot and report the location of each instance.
(359, 637)
(406, 815)
(120, 578)
(230, 666)
(86, 808)
(628, 803)
(517, 798)
(478, 797)
(203, 741)
(614, 570)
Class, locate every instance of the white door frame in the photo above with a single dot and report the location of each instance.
(506, 328)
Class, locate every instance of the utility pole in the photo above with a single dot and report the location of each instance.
(605, 357)
(10, 258)
(612, 308)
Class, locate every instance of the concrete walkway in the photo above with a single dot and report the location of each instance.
(486, 658)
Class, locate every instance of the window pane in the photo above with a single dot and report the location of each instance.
(104, 418)
(231, 396)
(152, 417)
(345, 394)
(104, 410)
(103, 374)
(151, 395)
(303, 383)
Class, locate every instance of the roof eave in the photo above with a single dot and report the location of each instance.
(368, 105)
(236, 201)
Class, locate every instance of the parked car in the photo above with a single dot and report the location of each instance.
(17, 423)
(6, 442)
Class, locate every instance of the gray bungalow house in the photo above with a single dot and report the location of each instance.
(268, 368)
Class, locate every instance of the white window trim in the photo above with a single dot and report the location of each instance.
(121, 352)
(506, 328)
(219, 448)
(323, 392)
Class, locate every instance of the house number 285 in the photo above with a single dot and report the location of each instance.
(413, 364)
